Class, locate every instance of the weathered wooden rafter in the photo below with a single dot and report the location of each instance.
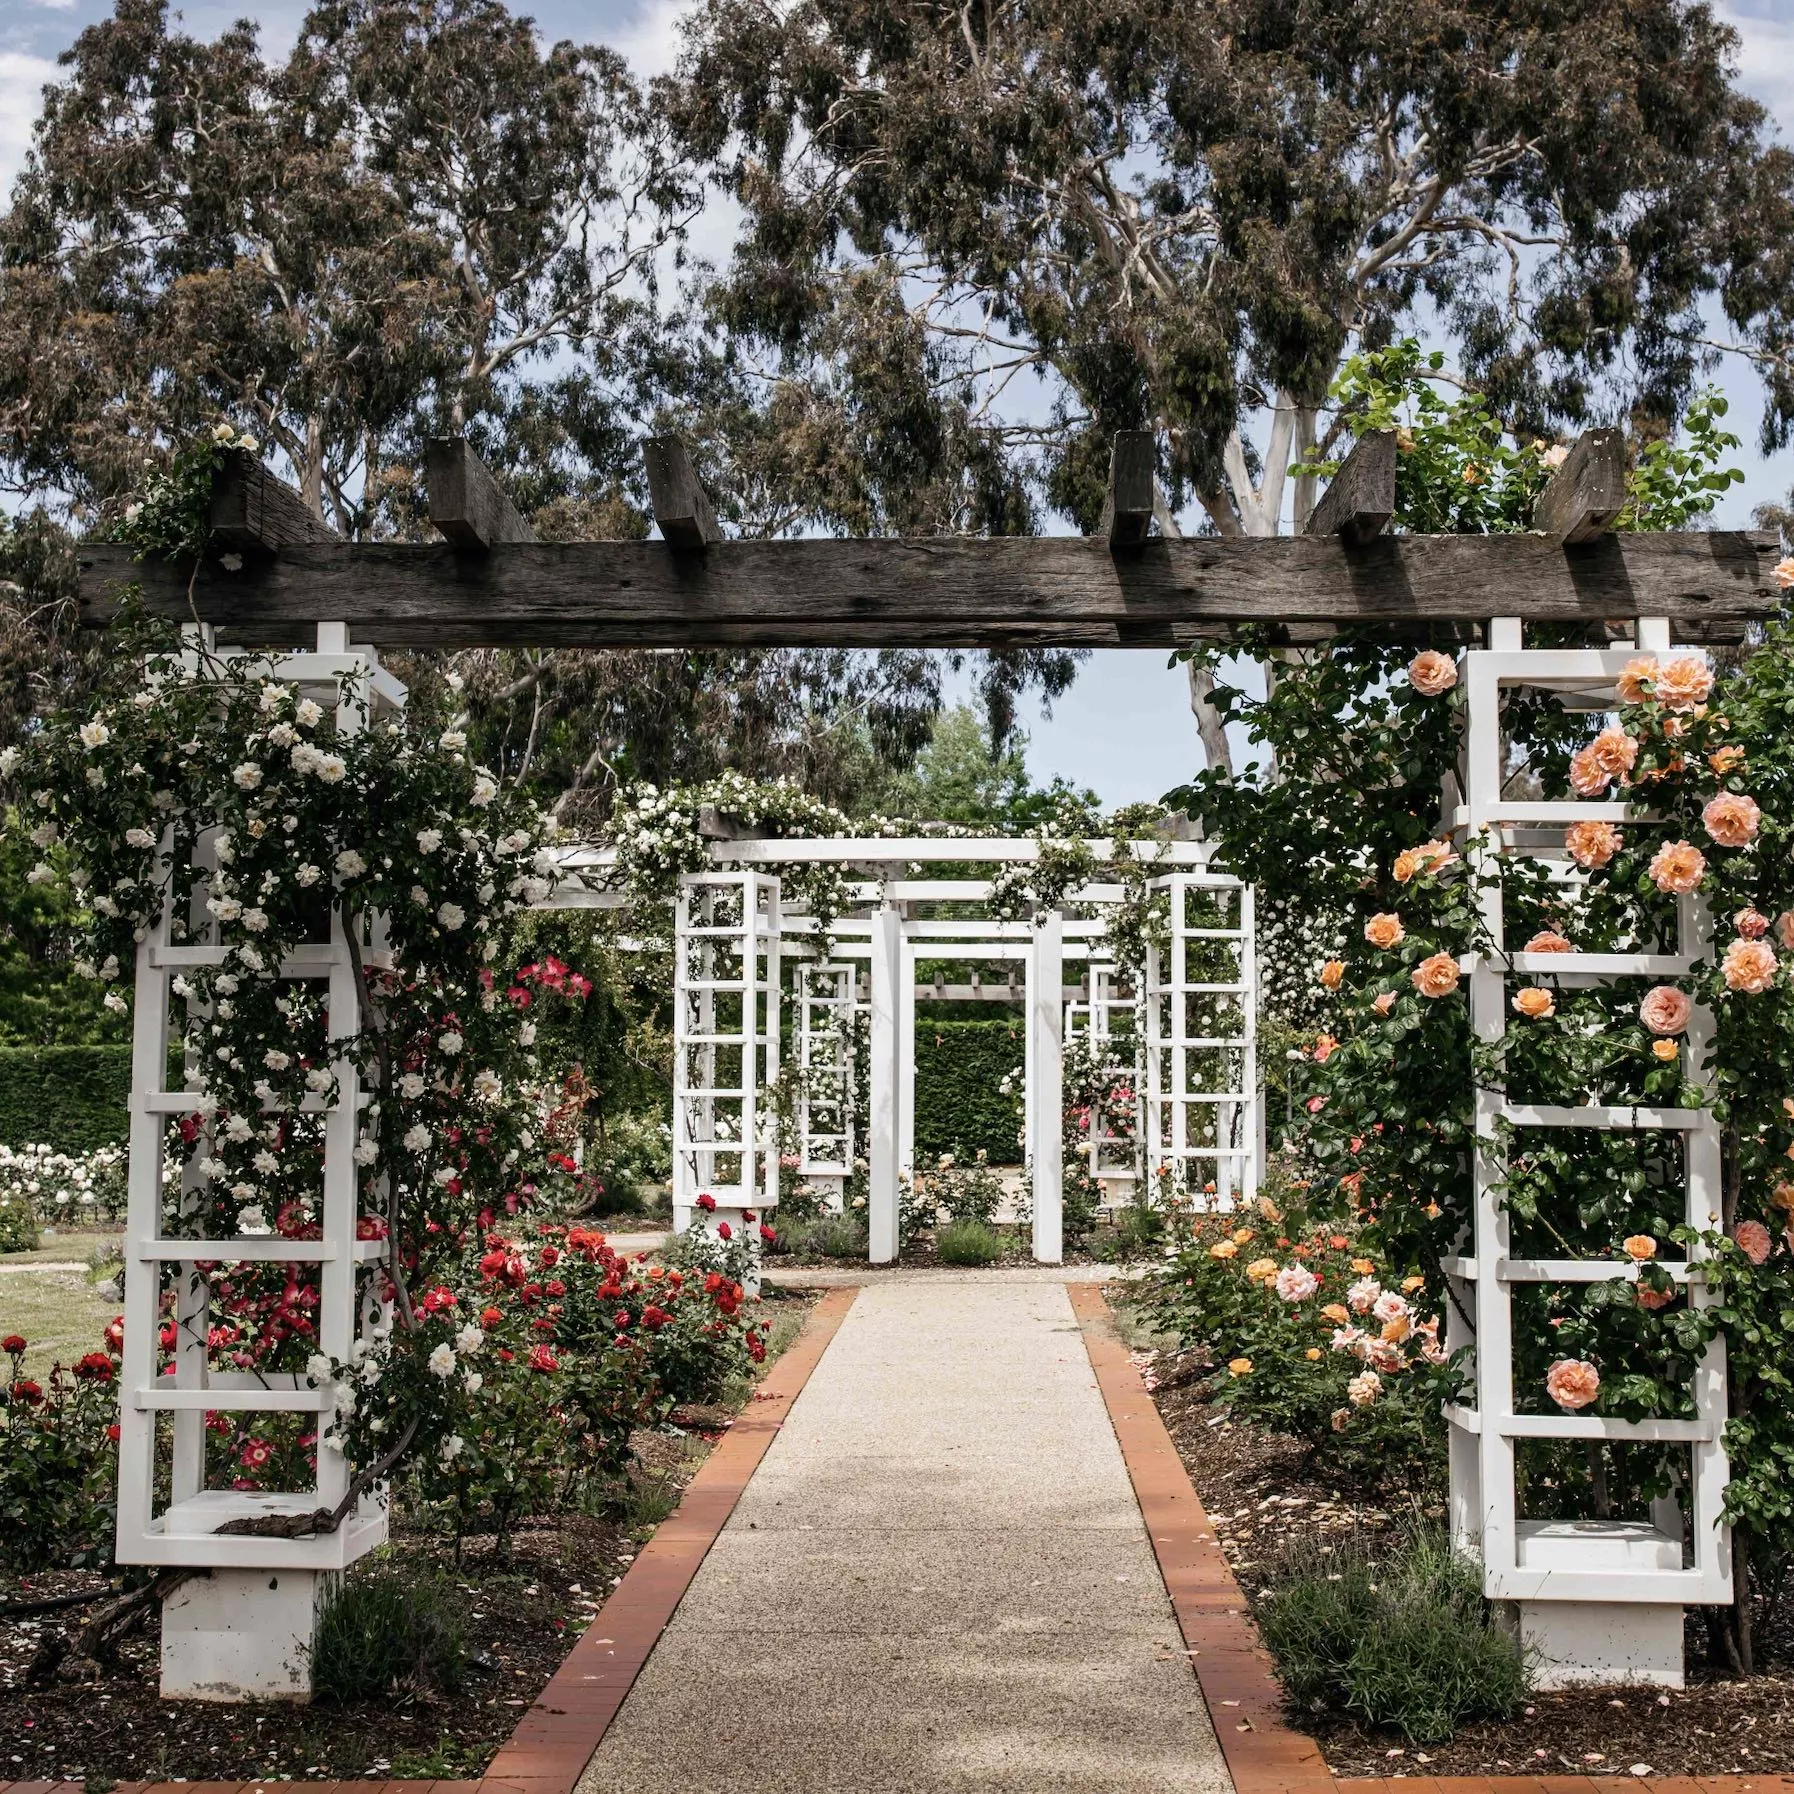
(277, 571)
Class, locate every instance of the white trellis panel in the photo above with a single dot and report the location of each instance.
(1201, 1099)
(827, 1003)
(1531, 1561)
(1113, 1158)
(163, 1266)
(725, 1045)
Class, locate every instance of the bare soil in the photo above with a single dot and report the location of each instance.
(1263, 1496)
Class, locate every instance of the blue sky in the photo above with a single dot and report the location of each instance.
(1125, 726)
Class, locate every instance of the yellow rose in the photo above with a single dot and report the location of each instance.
(1241, 1367)
(1223, 1249)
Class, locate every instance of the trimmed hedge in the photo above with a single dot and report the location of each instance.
(72, 1098)
(959, 1105)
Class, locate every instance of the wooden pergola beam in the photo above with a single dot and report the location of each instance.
(1360, 497)
(1587, 493)
(946, 591)
(1128, 508)
(466, 503)
(681, 506)
(253, 512)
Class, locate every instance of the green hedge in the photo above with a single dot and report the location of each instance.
(74, 1097)
(959, 1105)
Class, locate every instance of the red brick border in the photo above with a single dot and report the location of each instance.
(557, 1735)
(1239, 1687)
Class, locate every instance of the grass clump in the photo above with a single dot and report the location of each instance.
(826, 1236)
(968, 1243)
(1408, 1642)
(382, 1632)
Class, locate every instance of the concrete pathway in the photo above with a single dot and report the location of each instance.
(938, 1579)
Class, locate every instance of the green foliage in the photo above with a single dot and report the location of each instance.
(1407, 1643)
(968, 1242)
(1679, 478)
(385, 1632)
(73, 1098)
(961, 1106)
(18, 1224)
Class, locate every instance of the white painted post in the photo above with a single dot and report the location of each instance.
(885, 1070)
(1046, 1043)
(906, 1062)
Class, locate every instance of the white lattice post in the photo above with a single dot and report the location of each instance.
(1597, 1601)
(825, 995)
(1046, 1074)
(885, 1070)
(244, 1629)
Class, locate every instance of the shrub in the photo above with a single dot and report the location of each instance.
(384, 1631)
(57, 1462)
(828, 1236)
(968, 1243)
(961, 1105)
(75, 1097)
(1408, 1642)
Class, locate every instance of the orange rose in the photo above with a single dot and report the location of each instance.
(1332, 973)
(1665, 1050)
(1665, 1010)
(1548, 940)
(1431, 672)
(1782, 1197)
(1653, 1298)
(1535, 1002)
(1223, 1249)
(1592, 844)
(1726, 760)
(1684, 682)
(1639, 1247)
(1261, 1268)
(1384, 1003)
(1240, 1367)
(1337, 1313)
(1640, 673)
(1429, 856)
(1678, 867)
(1436, 975)
(1312, 1354)
(1731, 819)
(1385, 931)
(1614, 751)
(1748, 966)
(1783, 572)
(1365, 1267)
(1572, 1383)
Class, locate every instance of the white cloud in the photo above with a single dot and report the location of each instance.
(1765, 55)
(22, 79)
(651, 41)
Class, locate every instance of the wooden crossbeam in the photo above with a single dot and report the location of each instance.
(466, 503)
(1360, 498)
(1588, 492)
(1128, 508)
(681, 506)
(255, 513)
(944, 591)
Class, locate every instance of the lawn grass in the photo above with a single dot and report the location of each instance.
(60, 1312)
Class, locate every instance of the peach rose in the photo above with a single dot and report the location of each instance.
(1325, 1046)
(1431, 672)
(1751, 923)
(1726, 759)
(1260, 1268)
(1665, 1010)
(1614, 751)
(1639, 1247)
(1384, 1003)
(1332, 973)
(1385, 931)
(1592, 844)
(1436, 975)
(1653, 1298)
(1731, 819)
(1784, 929)
(1586, 778)
(1665, 1050)
(1429, 856)
(1679, 867)
(1639, 673)
(1753, 1240)
(1684, 682)
(1548, 940)
(1240, 1367)
(1337, 1313)
(1748, 966)
(1535, 1001)
(1782, 1197)
(1223, 1249)
(1572, 1383)
(1783, 572)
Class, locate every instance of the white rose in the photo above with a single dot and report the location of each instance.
(252, 1222)
(308, 714)
(429, 839)
(411, 1085)
(307, 874)
(472, 1382)
(420, 896)
(469, 1339)
(247, 776)
(255, 920)
(283, 735)
(451, 741)
(331, 768)
(238, 1128)
(275, 1060)
(266, 1163)
(113, 1001)
(450, 1042)
(41, 874)
(367, 1150)
(94, 735)
(442, 1360)
(451, 916)
(526, 1035)
(139, 837)
(446, 1175)
(487, 1085)
(451, 1448)
(273, 696)
(417, 1139)
(320, 1077)
(9, 761)
(43, 834)
(350, 864)
(484, 791)
(317, 1367)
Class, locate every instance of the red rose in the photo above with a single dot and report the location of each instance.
(96, 1367)
(13, 1343)
(541, 1358)
(112, 1432)
(27, 1392)
(724, 1231)
(491, 1317)
(767, 1234)
(707, 1202)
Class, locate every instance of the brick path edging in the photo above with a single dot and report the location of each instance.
(1239, 1686)
(559, 1731)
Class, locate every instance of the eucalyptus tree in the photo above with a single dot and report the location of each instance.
(1127, 215)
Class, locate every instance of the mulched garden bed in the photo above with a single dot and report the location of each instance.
(519, 1618)
(1264, 1497)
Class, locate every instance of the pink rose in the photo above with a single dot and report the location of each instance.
(1748, 966)
(1753, 1240)
(1572, 1383)
(1431, 672)
(1665, 1010)
(1732, 820)
(1548, 940)
(1751, 923)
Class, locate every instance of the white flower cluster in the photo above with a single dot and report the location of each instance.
(65, 1187)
